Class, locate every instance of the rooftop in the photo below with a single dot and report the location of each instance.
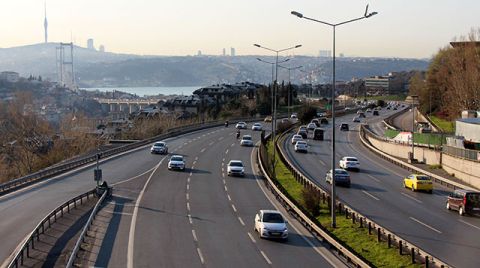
(475, 121)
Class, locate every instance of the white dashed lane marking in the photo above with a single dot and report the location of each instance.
(201, 256)
(234, 208)
(229, 198)
(188, 206)
(251, 237)
(190, 219)
(266, 258)
(371, 195)
(426, 225)
(194, 236)
(241, 221)
(413, 198)
(226, 152)
(203, 150)
(469, 224)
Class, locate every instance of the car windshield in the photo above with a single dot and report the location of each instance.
(248, 138)
(273, 218)
(301, 143)
(159, 144)
(257, 124)
(340, 172)
(176, 158)
(351, 159)
(297, 137)
(422, 178)
(236, 164)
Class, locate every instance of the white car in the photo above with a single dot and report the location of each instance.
(356, 119)
(159, 147)
(241, 125)
(341, 177)
(311, 126)
(296, 138)
(271, 224)
(176, 162)
(246, 140)
(349, 162)
(301, 146)
(257, 127)
(235, 168)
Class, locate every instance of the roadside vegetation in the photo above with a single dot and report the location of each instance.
(446, 125)
(355, 237)
(422, 138)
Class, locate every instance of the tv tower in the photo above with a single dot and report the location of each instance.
(45, 24)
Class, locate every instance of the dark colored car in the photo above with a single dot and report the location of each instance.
(466, 202)
(344, 127)
(375, 112)
(324, 120)
(341, 177)
(318, 134)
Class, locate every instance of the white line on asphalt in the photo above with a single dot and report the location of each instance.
(225, 186)
(223, 160)
(266, 258)
(211, 143)
(196, 158)
(194, 236)
(132, 178)
(194, 162)
(426, 225)
(251, 237)
(373, 178)
(233, 144)
(234, 208)
(185, 143)
(188, 206)
(224, 181)
(203, 135)
(369, 194)
(469, 224)
(117, 213)
(223, 170)
(187, 196)
(229, 198)
(226, 152)
(241, 221)
(133, 223)
(179, 147)
(223, 175)
(321, 162)
(413, 198)
(203, 150)
(221, 138)
(191, 173)
(188, 187)
(190, 219)
(201, 256)
(188, 180)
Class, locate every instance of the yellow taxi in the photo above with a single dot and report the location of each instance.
(418, 182)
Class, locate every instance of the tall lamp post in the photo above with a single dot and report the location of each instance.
(334, 25)
(274, 121)
(289, 82)
(273, 65)
(413, 100)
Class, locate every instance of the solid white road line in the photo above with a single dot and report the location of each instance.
(265, 257)
(194, 236)
(201, 256)
(469, 224)
(426, 225)
(241, 221)
(369, 194)
(411, 197)
(131, 235)
(257, 179)
(251, 237)
(132, 178)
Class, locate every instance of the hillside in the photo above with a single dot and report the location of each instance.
(97, 69)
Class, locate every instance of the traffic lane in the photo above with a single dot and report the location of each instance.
(36, 201)
(414, 218)
(216, 227)
(248, 199)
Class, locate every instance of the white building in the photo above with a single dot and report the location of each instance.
(90, 44)
(11, 77)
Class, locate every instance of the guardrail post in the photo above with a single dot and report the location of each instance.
(412, 250)
(353, 217)
(379, 234)
(361, 222)
(400, 247)
(369, 228)
(427, 261)
(28, 249)
(389, 240)
(21, 258)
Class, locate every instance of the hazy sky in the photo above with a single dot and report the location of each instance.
(403, 28)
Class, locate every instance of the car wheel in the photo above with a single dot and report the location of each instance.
(448, 206)
(461, 211)
(430, 191)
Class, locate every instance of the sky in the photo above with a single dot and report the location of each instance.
(402, 28)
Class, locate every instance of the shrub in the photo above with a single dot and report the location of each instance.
(312, 199)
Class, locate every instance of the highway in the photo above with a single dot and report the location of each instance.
(195, 218)
(377, 192)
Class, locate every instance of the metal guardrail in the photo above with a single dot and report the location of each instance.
(404, 247)
(24, 251)
(85, 229)
(364, 131)
(64, 167)
(306, 221)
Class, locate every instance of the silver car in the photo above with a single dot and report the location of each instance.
(176, 162)
(341, 177)
(271, 224)
(246, 140)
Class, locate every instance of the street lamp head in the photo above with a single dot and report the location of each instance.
(297, 46)
(257, 45)
(371, 14)
(298, 14)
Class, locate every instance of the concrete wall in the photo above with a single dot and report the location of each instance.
(466, 170)
(428, 156)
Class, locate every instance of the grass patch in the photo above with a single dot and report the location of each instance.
(351, 234)
(390, 133)
(445, 125)
(422, 138)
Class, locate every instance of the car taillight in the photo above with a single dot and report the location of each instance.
(465, 200)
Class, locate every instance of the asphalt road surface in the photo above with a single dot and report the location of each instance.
(377, 192)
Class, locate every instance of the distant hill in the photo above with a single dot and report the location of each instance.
(101, 69)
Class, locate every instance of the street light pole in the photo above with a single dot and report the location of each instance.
(274, 121)
(366, 15)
